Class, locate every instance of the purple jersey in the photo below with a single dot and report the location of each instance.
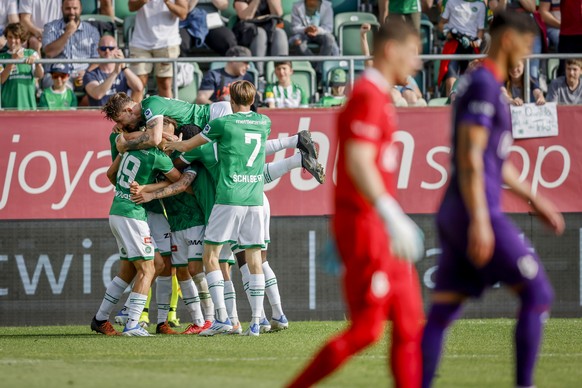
(480, 102)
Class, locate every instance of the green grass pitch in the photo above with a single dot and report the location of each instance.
(478, 354)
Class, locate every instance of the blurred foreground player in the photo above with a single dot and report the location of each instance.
(376, 240)
(480, 245)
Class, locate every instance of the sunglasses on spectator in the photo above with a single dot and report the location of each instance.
(59, 75)
(105, 48)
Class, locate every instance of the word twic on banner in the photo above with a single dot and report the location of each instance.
(531, 120)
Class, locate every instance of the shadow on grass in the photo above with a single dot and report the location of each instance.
(61, 335)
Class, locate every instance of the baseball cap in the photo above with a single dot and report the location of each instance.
(338, 77)
(63, 68)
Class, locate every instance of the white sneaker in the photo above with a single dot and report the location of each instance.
(122, 317)
(279, 324)
(252, 331)
(264, 326)
(236, 329)
(136, 331)
(217, 328)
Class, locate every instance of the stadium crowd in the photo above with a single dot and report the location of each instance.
(86, 29)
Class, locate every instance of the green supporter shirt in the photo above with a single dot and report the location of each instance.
(241, 139)
(53, 100)
(404, 7)
(329, 101)
(181, 111)
(290, 97)
(19, 91)
(204, 185)
(183, 211)
(141, 166)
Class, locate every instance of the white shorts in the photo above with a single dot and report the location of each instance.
(240, 225)
(227, 255)
(267, 220)
(133, 238)
(187, 245)
(219, 109)
(161, 234)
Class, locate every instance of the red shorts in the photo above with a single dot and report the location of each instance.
(373, 278)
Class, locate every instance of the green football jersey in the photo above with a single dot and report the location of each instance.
(181, 111)
(183, 211)
(112, 139)
(404, 7)
(291, 97)
(52, 100)
(241, 139)
(18, 91)
(141, 166)
(204, 185)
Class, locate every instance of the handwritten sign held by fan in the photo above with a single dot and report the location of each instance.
(531, 120)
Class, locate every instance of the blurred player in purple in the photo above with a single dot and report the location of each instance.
(480, 245)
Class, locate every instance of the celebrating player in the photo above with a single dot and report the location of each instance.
(377, 242)
(129, 226)
(480, 245)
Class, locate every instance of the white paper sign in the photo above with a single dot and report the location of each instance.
(531, 120)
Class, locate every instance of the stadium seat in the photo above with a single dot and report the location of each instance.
(287, 6)
(341, 6)
(103, 23)
(426, 36)
(553, 65)
(122, 9)
(347, 31)
(420, 79)
(441, 101)
(90, 7)
(128, 26)
(188, 93)
(303, 75)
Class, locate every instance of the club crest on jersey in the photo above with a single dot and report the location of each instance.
(148, 114)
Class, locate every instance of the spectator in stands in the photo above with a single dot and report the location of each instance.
(528, 7)
(515, 91)
(8, 14)
(550, 13)
(472, 66)
(411, 94)
(156, 35)
(407, 10)
(106, 8)
(59, 96)
(285, 93)
(216, 36)
(111, 78)
(71, 38)
(463, 24)
(566, 90)
(260, 28)
(215, 85)
(338, 82)
(570, 29)
(34, 15)
(364, 30)
(312, 22)
(18, 86)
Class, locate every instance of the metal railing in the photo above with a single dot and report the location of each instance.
(351, 60)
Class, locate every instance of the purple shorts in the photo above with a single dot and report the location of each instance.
(513, 261)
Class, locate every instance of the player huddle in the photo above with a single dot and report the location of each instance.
(225, 171)
(213, 206)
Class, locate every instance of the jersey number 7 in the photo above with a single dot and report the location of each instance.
(249, 137)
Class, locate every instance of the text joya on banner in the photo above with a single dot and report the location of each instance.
(53, 164)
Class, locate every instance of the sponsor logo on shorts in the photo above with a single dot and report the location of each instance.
(528, 266)
(147, 240)
(123, 252)
(174, 248)
(380, 284)
(167, 235)
(194, 242)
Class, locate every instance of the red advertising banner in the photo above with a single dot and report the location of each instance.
(53, 164)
